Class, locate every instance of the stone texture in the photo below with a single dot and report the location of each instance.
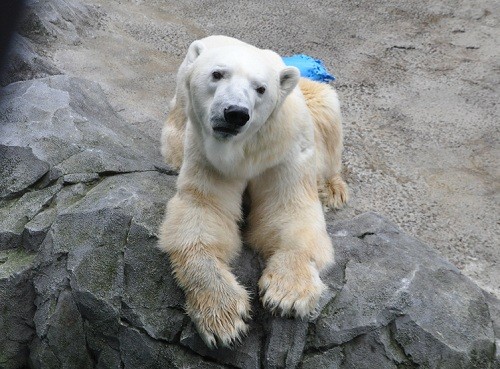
(59, 131)
(327, 359)
(45, 21)
(69, 124)
(494, 305)
(16, 307)
(17, 212)
(24, 62)
(82, 284)
(284, 343)
(99, 279)
(417, 81)
(19, 169)
(394, 281)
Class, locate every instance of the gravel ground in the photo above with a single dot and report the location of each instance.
(419, 84)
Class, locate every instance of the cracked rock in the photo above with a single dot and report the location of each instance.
(99, 275)
(69, 124)
(64, 344)
(47, 20)
(19, 169)
(16, 307)
(327, 359)
(23, 62)
(393, 280)
(82, 283)
(285, 342)
(16, 213)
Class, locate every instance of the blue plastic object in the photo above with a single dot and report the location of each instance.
(309, 67)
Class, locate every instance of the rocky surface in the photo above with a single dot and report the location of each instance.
(418, 82)
(82, 284)
(99, 294)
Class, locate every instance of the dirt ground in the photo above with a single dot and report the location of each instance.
(418, 81)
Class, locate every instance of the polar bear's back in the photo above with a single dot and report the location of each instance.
(323, 104)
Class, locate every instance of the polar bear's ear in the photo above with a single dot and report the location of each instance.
(289, 77)
(195, 49)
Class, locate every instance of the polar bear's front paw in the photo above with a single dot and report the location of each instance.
(219, 315)
(291, 291)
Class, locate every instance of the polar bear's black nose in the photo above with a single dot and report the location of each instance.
(236, 115)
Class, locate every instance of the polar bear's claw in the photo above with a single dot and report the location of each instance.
(220, 336)
(220, 318)
(286, 293)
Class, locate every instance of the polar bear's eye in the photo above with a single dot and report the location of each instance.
(217, 75)
(260, 90)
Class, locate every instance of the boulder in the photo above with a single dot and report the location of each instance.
(25, 63)
(45, 21)
(58, 131)
(82, 283)
(69, 124)
(17, 307)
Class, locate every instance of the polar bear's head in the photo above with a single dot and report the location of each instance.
(233, 90)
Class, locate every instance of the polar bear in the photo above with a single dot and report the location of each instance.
(241, 119)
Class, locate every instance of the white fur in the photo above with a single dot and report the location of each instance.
(290, 144)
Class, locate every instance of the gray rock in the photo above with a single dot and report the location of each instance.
(326, 359)
(83, 284)
(16, 307)
(285, 342)
(17, 212)
(397, 304)
(36, 229)
(138, 350)
(64, 344)
(494, 307)
(59, 127)
(248, 354)
(23, 62)
(150, 293)
(69, 124)
(65, 20)
(80, 178)
(393, 280)
(19, 169)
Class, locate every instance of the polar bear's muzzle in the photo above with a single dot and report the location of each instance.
(235, 117)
